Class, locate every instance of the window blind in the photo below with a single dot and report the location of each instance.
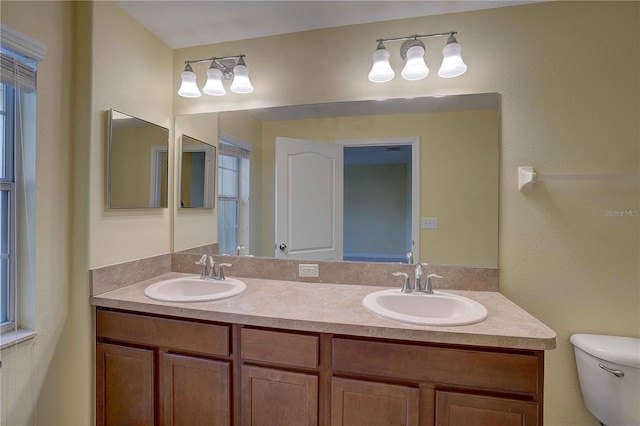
(16, 73)
(232, 151)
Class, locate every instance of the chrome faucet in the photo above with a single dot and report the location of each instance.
(428, 286)
(212, 266)
(417, 283)
(409, 257)
(219, 273)
(205, 271)
(209, 270)
(406, 288)
(419, 272)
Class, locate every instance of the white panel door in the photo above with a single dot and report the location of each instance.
(309, 186)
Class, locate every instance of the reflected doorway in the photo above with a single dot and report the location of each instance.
(381, 201)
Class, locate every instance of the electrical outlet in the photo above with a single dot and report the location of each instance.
(429, 223)
(308, 270)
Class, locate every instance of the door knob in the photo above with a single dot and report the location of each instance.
(282, 246)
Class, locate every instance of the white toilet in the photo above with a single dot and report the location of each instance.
(609, 372)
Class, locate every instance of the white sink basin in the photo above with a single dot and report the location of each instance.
(194, 289)
(442, 309)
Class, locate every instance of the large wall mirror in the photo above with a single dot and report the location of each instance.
(447, 211)
(197, 174)
(138, 163)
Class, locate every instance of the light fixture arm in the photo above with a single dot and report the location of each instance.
(417, 36)
(218, 62)
(216, 59)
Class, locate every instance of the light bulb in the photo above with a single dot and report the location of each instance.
(214, 85)
(452, 63)
(241, 83)
(415, 68)
(381, 71)
(188, 87)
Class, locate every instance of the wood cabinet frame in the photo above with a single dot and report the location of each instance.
(437, 381)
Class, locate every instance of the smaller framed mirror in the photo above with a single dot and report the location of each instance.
(197, 174)
(138, 163)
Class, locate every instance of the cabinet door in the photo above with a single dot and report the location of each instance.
(195, 391)
(273, 397)
(124, 385)
(456, 409)
(357, 403)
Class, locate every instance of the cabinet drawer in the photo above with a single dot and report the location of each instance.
(296, 350)
(182, 335)
(459, 367)
(453, 409)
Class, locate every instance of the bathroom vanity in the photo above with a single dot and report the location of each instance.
(291, 353)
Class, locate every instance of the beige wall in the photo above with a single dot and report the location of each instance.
(49, 379)
(34, 372)
(130, 71)
(569, 105)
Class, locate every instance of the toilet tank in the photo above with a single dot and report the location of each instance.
(609, 373)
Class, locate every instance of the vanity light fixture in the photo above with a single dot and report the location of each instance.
(412, 51)
(225, 68)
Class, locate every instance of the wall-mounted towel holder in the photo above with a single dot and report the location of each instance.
(527, 177)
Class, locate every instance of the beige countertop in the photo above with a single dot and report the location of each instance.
(337, 309)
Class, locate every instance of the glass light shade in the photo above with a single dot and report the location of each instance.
(452, 63)
(188, 87)
(381, 71)
(214, 85)
(415, 68)
(241, 83)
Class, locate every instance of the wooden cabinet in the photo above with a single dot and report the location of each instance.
(457, 409)
(447, 385)
(124, 374)
(356, 403)
(154, 370)
(276, 397)
(195, 391)
(272, 394)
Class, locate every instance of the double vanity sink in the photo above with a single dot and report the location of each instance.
(168, 346)
(437, 309)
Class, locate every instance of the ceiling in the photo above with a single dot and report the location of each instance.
(192, 23)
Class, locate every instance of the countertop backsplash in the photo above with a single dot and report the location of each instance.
(366, 273)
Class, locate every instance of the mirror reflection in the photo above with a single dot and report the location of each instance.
(138, 163)
(438, 195)
(197, 173)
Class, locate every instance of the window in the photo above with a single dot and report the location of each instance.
(7, 208)
(228, 203)
(233, 194)
(18, 64)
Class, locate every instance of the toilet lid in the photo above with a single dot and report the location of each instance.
(621, 350)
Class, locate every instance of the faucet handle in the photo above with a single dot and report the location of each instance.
(406, 288)
(220, 275)
(203, 262)
(428, 286)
